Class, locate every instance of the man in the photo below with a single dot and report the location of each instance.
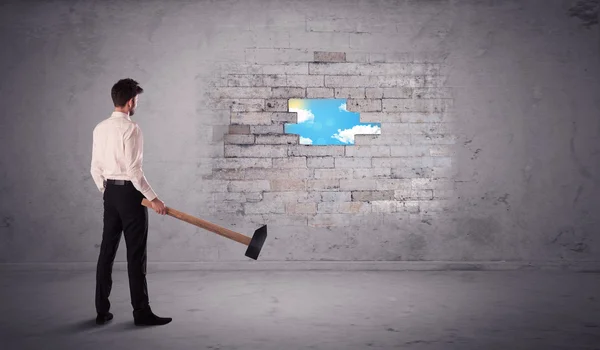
(117, 153)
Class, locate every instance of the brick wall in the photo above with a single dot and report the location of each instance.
(268, 177)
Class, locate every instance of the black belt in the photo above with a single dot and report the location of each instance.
(118, 182)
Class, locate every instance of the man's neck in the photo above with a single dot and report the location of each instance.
(118, 110)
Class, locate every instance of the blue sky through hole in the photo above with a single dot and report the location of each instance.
(327, 122)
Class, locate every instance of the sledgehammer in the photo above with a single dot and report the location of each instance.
(254, 244)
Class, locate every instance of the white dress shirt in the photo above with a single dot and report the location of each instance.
(117, 153)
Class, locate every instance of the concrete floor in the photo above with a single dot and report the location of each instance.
(309, 310)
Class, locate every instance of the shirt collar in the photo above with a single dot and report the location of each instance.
(116, 114)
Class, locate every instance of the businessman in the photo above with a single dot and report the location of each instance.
(117, 154)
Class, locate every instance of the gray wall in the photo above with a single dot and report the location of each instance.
(520, 138)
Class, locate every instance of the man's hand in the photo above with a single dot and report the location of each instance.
(159, 206)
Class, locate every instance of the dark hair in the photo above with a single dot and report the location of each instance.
(124, 90)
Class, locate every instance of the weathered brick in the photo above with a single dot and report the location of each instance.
(397, 92)
(236, 105)
(409, 151)
(376, 69)
(260, 174)
(227, 196)
(380, 139)
(373, 81)
(441, 151)
(412, 105)
(248, 186)
(229, 207)
(251, 118)
(324, 56)
(322, 184)
(421, 194)
(239, 129)
(283, 139)
(244, 80)
(288, 68)
(241, 92)
(342, 162)
(258, 151)
(274, 80)
(253, 196)
(363, 105)
(350, 93)
(289, 162)
(372, 173)
(276, 105)
(358, 184)
(319, 92)
(433, 139)
(397, 162)
(367, 151)
(289, 196)
(367, 196)
(336, 196)
(401, 117)
(343, 207)
(402, 194)
(305, 81)
(384, 206)
(435, 80)
(415, 128)
(392, 184)
(264, 207)
(267, 129)
(312, 196)
(235, 163)
(432, 92)
(288, 92)
(306, 150)
(409, 207)
(278, 219)
(434, 184)
(411, 172)
(288, 185)
(301, 208)
(333, 173)
(320, 162)
(238, 139)
(247, 105)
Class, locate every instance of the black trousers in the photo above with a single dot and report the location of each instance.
(123, 212)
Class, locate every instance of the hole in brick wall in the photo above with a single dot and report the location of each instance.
(327, 122)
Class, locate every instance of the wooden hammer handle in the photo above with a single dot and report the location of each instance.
(238, 237)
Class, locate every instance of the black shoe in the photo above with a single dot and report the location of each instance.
(146, 317)
(103, 318)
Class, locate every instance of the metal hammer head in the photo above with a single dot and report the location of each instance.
(256, 243)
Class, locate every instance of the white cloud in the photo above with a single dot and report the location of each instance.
(305, 141)
(304, 115)
(347, 135)
(342, 107)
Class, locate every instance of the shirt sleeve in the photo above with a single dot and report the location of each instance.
(95, 168)
(134, 154)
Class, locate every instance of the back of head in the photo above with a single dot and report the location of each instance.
(124, 90)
